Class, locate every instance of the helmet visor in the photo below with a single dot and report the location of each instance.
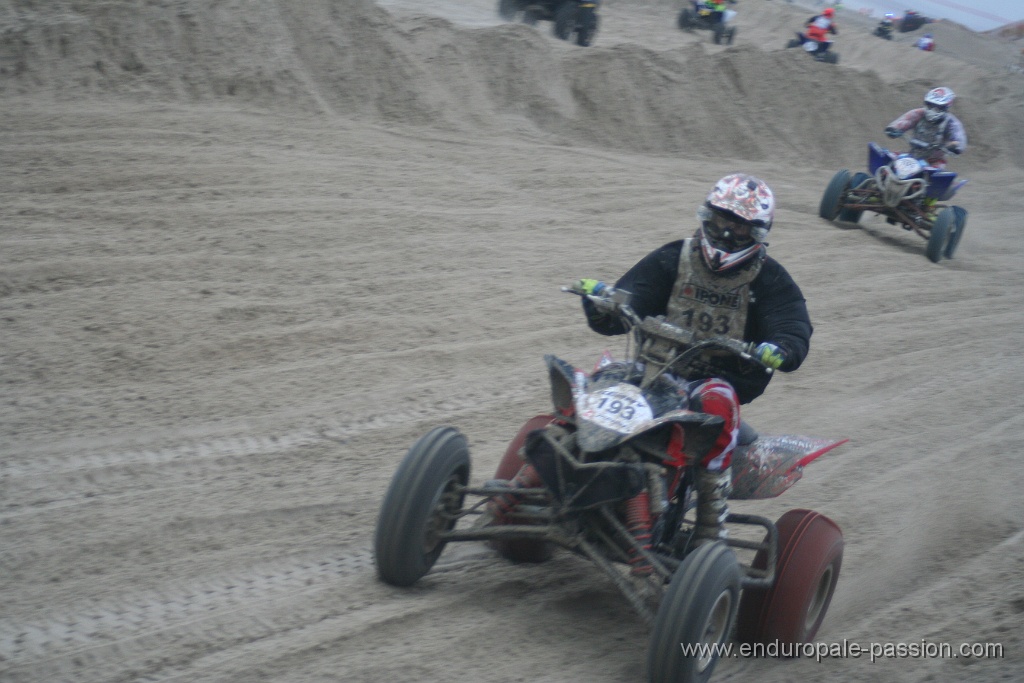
(728, 232)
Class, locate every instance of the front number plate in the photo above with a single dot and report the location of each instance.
(620, 408)
(906, 167)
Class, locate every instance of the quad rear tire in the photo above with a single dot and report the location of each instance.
(421, 502)
(806, 572)
(521, 550)
(687, 20)
(698, 609)
(941, 235)
(832, 199)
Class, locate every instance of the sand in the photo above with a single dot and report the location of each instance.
(252, 250)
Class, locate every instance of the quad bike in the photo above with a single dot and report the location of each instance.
(884, 29)
(700, 16)
(821, 51)
(608, 474)
(570, 17)
(907, 191)
(912, 21)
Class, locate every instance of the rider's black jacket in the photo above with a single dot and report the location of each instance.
(777, 314)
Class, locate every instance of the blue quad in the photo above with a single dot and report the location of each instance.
(907, 191)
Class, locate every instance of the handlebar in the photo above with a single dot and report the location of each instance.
(617, 303)
(922, 145)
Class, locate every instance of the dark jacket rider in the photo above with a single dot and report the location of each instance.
(721, 282)
(777, 311)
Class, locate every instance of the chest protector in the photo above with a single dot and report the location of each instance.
(710, 305)
(932, 133)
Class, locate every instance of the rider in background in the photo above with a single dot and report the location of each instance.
(717, 10)
(819, 27)
(934, 127)
(885, 26)
(720, 282)
(926, 43)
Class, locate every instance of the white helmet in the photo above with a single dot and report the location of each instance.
(735, 221)
(937, 103)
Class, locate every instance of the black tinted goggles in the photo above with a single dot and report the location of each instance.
(729, 231)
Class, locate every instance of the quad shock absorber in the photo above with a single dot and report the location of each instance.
(638, 523)
(526, 478)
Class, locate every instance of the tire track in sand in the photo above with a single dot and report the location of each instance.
(110, 639)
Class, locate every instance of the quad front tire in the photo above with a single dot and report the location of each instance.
(941, 234)
(853, 215)
(722, 34)
(806, 572)
(422, 502)
(957, 232)
(832, 199)
(698, 609)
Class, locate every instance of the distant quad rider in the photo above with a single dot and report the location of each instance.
(926, 43)
(935, 130)
(886, 26)
(709, 14)
(819, 27)
(717, 15)
(912, 21)
(720, 282)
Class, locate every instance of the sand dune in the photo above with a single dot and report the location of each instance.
(252, 250)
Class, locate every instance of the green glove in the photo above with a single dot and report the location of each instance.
(588, 286)
(770, 354)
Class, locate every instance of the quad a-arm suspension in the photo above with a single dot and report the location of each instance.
(898, 200)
